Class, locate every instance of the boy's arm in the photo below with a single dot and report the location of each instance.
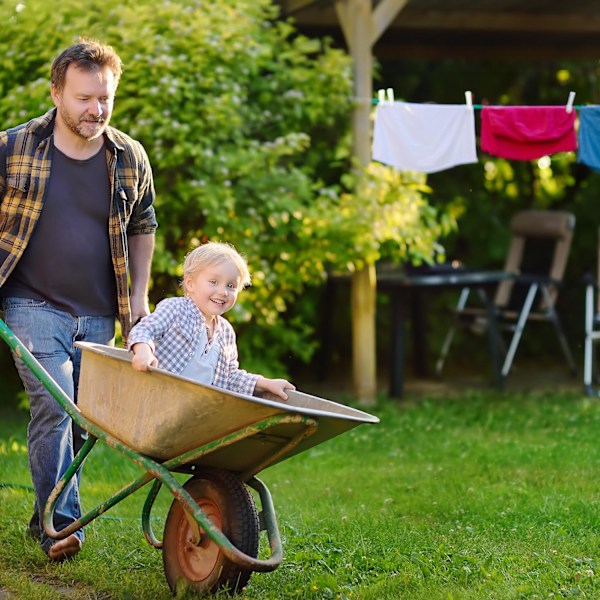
(154, 326)
(229, 375)
(241, 381)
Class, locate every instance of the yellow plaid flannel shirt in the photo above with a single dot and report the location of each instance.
(25, 164)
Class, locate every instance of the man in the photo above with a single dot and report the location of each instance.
(76, 229)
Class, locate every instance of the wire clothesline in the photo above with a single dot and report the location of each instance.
(429, 137)
(480, 106)
(387, 96)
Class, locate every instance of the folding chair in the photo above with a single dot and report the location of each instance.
(592, 330)
(537, 255)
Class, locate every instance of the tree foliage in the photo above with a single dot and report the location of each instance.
(386, 215)
(246, 123)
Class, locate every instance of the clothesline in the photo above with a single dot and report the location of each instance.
(475, 106)
(432, 137)
(387, 96)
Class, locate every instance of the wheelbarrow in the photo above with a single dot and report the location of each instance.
(169, 424)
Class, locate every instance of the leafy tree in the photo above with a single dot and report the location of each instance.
(246, 125)
(387, 216)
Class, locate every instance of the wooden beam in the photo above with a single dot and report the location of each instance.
(509, 22)
(356, 19)
(344, 16)
(360, 25)
(319, 15)
(289, 7)
(403, 49)
(385, 12)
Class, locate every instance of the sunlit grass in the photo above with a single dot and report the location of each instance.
(483, 496)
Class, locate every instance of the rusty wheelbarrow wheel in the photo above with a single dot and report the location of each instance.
(230, 506)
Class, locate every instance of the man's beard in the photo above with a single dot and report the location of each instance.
(87, 127)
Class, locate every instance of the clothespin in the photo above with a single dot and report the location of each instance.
(390, 95)
(469, 99)
(381, 95)
(570, 102)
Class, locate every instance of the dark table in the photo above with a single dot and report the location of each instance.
(402, 286)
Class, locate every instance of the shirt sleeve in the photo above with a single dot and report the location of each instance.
(228, 374)
(143, 219)
(153, 327)
(3, 150)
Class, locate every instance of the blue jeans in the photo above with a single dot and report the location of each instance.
(50, 335)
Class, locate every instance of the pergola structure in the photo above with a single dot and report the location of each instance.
(490, 29)
(482, 29)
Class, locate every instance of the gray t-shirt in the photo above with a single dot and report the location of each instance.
(68, 260)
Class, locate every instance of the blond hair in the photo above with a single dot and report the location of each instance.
(215, 253)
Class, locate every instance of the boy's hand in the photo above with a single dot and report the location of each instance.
(143, 357)
(274, 386)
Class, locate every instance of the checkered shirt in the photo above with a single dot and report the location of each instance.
(173, 333)
(25, 165)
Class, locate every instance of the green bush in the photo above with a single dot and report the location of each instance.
(246, 124)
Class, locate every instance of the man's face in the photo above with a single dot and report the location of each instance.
(85, 103)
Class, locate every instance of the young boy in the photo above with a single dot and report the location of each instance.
(189, 337)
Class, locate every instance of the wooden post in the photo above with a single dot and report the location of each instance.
(364, 371)
(362, 27)
(363, 291)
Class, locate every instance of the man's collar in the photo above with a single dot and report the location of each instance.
(44, 126)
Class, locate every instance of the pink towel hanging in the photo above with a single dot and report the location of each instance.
(527, 132)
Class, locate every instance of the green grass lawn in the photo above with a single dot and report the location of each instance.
(486, 495)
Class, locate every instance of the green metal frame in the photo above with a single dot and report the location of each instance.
(160, 473)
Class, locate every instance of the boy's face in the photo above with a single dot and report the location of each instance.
(214, 289)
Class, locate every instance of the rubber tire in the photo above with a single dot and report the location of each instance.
(230, 505)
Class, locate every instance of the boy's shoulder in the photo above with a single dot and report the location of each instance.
(180, 308)
(175, 304)
(227, 328)
(173, 301)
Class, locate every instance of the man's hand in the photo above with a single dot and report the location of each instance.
(139, 308)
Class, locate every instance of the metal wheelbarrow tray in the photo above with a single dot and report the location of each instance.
(164, 415)
(166, 423)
